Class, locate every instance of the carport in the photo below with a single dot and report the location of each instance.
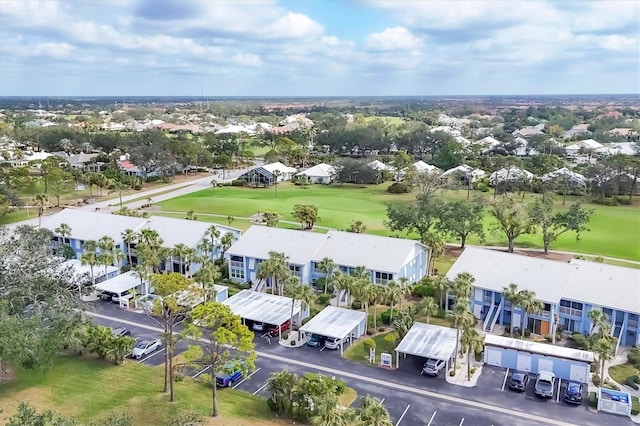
(428, 341)
(532, 357)
(266, 308)
(337, 323)
(123, 283)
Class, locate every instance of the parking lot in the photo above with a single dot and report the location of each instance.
(405, 407)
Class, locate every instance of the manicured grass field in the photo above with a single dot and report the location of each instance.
(358, 353)
(620, 372)
(89, 389)
(615, 231)
(17, 216)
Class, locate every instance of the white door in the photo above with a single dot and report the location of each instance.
(477, 311)
(524, 363)
(515, 319)
(578, 373)
(545, 365)
(494, 357)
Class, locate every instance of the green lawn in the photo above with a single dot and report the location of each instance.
(17, 216)
(358, 353)
(614, 230)
(89, 389)
(619, 373)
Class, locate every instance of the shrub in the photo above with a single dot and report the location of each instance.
(595, 379)
(188, 416)
(623, 201)
(635, 406)
(527, 333)
(369, 344)
(385, 317)
(593, 367)
(507, 329)
(548, 338)
(606, 202)
(472, 370)
(356, 305)
(390, 338)
(630, 381)
(293, 343)
(579, 340)
(593, 400)
(423, 290)
(381, 329)
(323, 299)
(452, 373)
(369, 332)
(634, 357)
(481, 186)
(398, 188)
(238, 182)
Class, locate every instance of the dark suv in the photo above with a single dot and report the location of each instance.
(519, 382)
(316, 341)
(573, 393)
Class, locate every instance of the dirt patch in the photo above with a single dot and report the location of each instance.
(6, 375)
(560, 257)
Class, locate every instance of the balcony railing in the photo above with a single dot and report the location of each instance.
(487, 299)
(571, 311)
(543, 314)
(236, 265)
(633, 323)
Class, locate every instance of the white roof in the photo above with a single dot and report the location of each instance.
(88, 225)
(334, 322)
(120, 283)
(258, 241)
(234, 129)
(421, 166)
(605, 285)
(488, 142)
(564, 172)
(372, 251)
(509, 173)
(256, 306)
(539, 348)
(463, 168)
(493, 270)
(319, 170)
(627, 148)
(272, 167)
(379, 165)
(79, 269)
(587, 144)
(180, 231)
(429, 341)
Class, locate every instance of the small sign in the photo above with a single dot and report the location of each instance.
(372, 355)
(386, 360)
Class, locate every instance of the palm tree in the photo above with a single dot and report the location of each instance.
(89, 257)
(463, 285)
(149, 201)
(393, 293)
(230, 220)
(40, 202)
(328, 413)
(373, 413)
(600, 321)
(357, 226)
(604, 347)
(150, 237)
(427, 306)
(214, 183)
(512, 294)
(403, 323)
(301, 292)
(129, 237)
(529, 304)
(326, 266)
(212, 234)
(405, 288)
(205, 247)
(442, 284)
(277, 174)
(279, 270)
(181, 252)
(461, 316)
(207, 276)
(106, 257)
(119, 347)
(63, 230)
(118, 256)
(225, 242)
(377, 294)
(366, 293)
(471, 341)
(281, 385)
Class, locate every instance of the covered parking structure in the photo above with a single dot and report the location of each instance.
(266, 308)
(122, 285)
(532, 357)
(428, 341)
(337, 323)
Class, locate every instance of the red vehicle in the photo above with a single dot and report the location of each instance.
(275, 330)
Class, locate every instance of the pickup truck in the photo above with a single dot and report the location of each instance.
(228, 375)
(544, 384)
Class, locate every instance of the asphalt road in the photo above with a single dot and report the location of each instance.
(402, 391)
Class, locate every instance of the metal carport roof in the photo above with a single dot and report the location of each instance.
(539, 348)
(334, 322)
(429, 341)
(262, 307)
(120, 283)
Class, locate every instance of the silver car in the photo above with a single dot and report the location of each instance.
(332, 343)
(146, 347)
(432, 367)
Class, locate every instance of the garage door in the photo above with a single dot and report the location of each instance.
(494, 357)
(524, 363)
(545, 365)
(578, 373)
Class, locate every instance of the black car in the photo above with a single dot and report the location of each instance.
(316, 341)
(120, 331)
(519, 382)
(106, 296)
(573, 393)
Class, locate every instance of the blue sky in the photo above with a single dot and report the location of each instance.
(318, 48)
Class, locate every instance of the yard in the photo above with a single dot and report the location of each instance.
(89, 389)
(358, 353)
(614, 230)
(620, 372)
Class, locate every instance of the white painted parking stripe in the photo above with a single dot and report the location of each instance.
(195, 376)
(403, 413)
(153, 354)
(461, 421)
(504, 382)
(433, 416)
(382, 400)
(260, 388)
(323, 348)
(245, 379)
(559, 388)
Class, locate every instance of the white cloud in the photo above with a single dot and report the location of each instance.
(54, 50)
(398, 38)
(294, 25)
(249, 59)
(619, 43)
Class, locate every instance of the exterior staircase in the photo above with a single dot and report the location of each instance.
(492, 317)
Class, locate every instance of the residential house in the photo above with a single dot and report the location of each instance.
(384, 258)
(84, 161)
(279, 170)
(568, 292)
(268, 174)
(487, 144)
(626, 148)
(570, 178)
(464, 173)
(320, 173)
(584, 146)
(379, 166)
(509, 174)
(422, 167)
(529, 131)
(577, 130)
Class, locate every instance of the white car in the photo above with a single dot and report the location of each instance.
(146, 347)
(332, 343)
(258, 326)
(432, 367)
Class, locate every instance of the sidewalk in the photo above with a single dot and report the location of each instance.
(461, 377)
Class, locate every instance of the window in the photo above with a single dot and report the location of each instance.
(316, 268)
(237, 273)
(383, 277)
(295, 271)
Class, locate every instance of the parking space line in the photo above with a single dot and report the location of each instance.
(403, 414)
(433, 416)
(382, 400)
(461, 421)
(195, 376)
(260, 388)
(559, 389)
(323, 348)
(153, 354)
(246, 378)
(504, 382)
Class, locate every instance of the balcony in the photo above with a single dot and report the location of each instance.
(632, 324)
(545, 315)
(236, 265)
(570, 311)
(487, 299)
